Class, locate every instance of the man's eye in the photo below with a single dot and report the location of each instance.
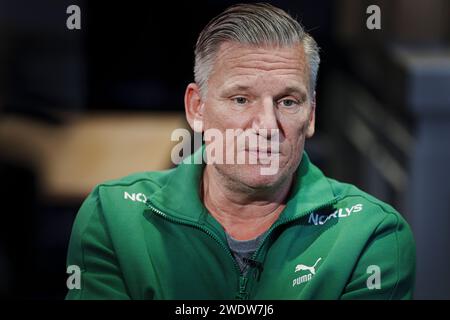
(240, 100)
(289, 103)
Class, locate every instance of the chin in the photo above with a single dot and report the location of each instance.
(250, 175)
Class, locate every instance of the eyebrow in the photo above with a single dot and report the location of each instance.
(286, 91)
(233, 88)
(291, 90)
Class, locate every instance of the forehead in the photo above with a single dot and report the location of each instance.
(235, 61)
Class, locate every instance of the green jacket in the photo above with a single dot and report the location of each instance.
(148, 236)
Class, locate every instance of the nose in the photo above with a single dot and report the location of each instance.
(266, 118)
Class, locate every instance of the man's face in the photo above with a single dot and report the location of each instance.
(253, 88)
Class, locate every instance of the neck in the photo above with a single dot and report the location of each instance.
(244, 212)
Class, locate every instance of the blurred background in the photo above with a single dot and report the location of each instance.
(78, 107)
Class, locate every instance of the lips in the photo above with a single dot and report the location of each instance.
(258, 149)
(262, 151)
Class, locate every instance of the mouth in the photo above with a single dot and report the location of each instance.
(262, 152)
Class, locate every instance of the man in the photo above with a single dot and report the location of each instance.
(225, 230)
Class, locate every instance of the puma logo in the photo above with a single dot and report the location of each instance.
(305, 277)
(312, 269)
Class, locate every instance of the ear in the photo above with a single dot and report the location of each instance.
(312, 118)
(193, 105)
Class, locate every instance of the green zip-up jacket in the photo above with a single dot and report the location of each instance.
(148, 236)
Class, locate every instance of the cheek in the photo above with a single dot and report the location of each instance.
(295, 131)
(295, 139)
(213, 118)
(220, 116)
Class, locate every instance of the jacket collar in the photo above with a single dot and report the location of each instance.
(180, 196)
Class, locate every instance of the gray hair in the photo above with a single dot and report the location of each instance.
(255, 24)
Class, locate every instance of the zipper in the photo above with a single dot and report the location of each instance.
(242, 295)
(242, 278)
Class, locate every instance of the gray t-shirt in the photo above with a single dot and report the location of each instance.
(242, 249)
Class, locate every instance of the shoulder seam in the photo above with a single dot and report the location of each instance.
(394, 289)
(108, 235)
(397, 271)
(82, 233)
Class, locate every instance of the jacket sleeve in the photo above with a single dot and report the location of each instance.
(91, 250)
(386, 267)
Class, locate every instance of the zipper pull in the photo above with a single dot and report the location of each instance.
(255, 264)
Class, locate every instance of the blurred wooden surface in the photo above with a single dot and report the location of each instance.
(71, 159)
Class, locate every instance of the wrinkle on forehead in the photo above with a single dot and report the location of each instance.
(244, 59)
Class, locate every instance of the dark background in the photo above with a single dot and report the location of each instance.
(383, 115)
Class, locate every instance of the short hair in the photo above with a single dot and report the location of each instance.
(257, 24)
